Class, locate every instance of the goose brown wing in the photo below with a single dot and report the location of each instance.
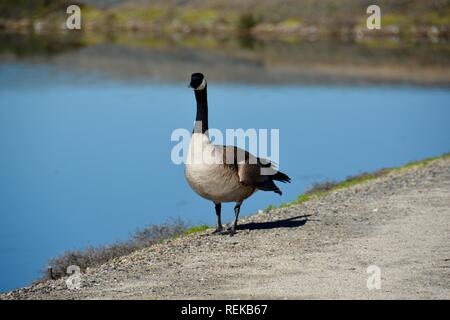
(253, 171)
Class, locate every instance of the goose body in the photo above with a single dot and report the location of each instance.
(208, 176)
(223, 173)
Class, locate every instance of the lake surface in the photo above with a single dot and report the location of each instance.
(85, 158)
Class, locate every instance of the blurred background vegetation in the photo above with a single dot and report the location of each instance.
(326, 38)
(259, 17)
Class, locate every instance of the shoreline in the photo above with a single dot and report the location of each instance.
(293, 19)
(360, 62)
(264, 32)
(285, 220)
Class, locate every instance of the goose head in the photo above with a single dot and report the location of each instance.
(198, 81)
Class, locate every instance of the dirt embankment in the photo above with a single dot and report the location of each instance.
(399, 223)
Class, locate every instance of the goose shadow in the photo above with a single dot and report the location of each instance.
(292, 222)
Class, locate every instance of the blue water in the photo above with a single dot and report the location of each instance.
(86, 161)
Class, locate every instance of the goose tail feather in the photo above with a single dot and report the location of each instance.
(280, 176)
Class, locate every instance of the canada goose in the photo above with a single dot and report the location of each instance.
(223, 173)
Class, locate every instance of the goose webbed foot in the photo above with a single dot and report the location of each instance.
(231, 230)
(222, 231)
(218, 230)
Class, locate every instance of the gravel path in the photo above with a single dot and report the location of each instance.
(319, 249)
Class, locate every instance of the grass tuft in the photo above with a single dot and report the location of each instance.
(96, 256)
(196, 229)
(323, 188)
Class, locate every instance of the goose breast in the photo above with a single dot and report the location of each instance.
(209, 176)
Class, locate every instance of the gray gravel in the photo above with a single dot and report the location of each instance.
(319, 249)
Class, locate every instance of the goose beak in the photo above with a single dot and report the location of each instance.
(189, 86)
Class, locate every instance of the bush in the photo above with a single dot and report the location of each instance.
(17, 9)
(247, 22)
(322, 186)
(92, 257)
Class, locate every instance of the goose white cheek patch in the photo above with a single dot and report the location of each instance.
(202, 85)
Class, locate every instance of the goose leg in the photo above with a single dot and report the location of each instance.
(237, 209)
(219, 228)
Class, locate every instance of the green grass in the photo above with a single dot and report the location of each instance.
(438, 18)
(198, 17)
(324, 188)
(395, 20)
(196, 229)
(422, 163)
(140, 14)
(92, 14)
(269, 208)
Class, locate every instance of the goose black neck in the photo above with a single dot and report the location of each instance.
(201, 119)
